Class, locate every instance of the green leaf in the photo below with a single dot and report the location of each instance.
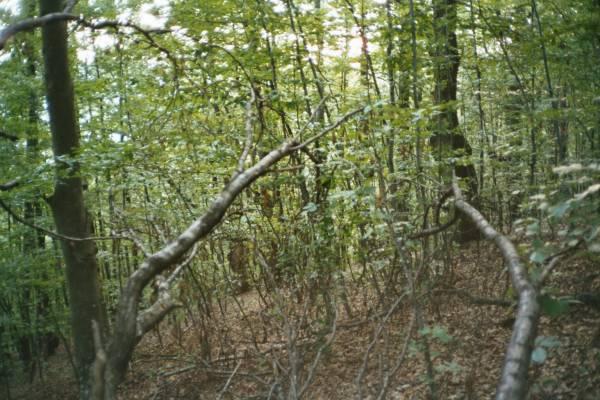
(539, 355)
(547, 341)
(310, 207)
(553, 307)
(538, 256)
(437, 332)
(533, 229)
(559, 210)
(594, 247)
(344, 194)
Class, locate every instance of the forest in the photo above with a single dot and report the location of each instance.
(300, 199)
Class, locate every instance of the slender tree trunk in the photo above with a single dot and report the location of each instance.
(561, 140)
(67, 203)
(416, 103)
(31, 239)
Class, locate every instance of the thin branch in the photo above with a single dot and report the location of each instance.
(388, 376)
(52, 234)
(375, 340)
(175, 274)
(138, 242)
(151, 316)
(70, 5)
(315, 363)
(235, 60)
(552, 262)
(9, 185)
(32, 23)
(37, 22)
(325, 131)
(313, 117)
(249, 131)
(128, 326)
(8, 136)
(224, 390)
(437, 229)
(480, 301)
(434, 230)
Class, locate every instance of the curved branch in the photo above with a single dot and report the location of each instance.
(325, 131)
(37, 22)
(513, 382)
(125, 336)
(9, 185)
(48, 232)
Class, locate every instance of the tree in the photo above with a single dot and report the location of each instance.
(446, 140)
(68, 206)
(200, 100)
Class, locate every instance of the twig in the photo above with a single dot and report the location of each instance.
(179, 371)
(52, 234)
(224, 390)
(387, 378)
(315, 363)
(482, 301)
(10, 185)
(70, 5)
(249, 131)
(552, 262)
(152, 315)
(138, 243)
(325, 131)
(374, 341)
(37, 22)
(175, 274)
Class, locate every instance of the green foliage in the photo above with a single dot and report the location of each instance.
(553, 307)
(569, 208)
(163, 123)
(437, 332)
(542, 345)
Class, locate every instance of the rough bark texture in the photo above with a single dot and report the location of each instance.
(513, 382)
(67, 203)
(446, 140)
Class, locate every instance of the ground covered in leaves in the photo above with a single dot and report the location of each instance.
(250, 350)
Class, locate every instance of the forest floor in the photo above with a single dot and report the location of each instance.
(467, 352)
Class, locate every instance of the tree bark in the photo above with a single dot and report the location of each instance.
(513, 383)
(67, 202)
(446, 140)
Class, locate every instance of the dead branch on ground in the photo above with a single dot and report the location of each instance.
(513, 382)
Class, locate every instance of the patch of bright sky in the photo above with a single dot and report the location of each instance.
(155, 14)
(278, 6)
(11, 5)
(152, 15)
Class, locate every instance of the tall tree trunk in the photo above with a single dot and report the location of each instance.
(67, 203)
(446, 140)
